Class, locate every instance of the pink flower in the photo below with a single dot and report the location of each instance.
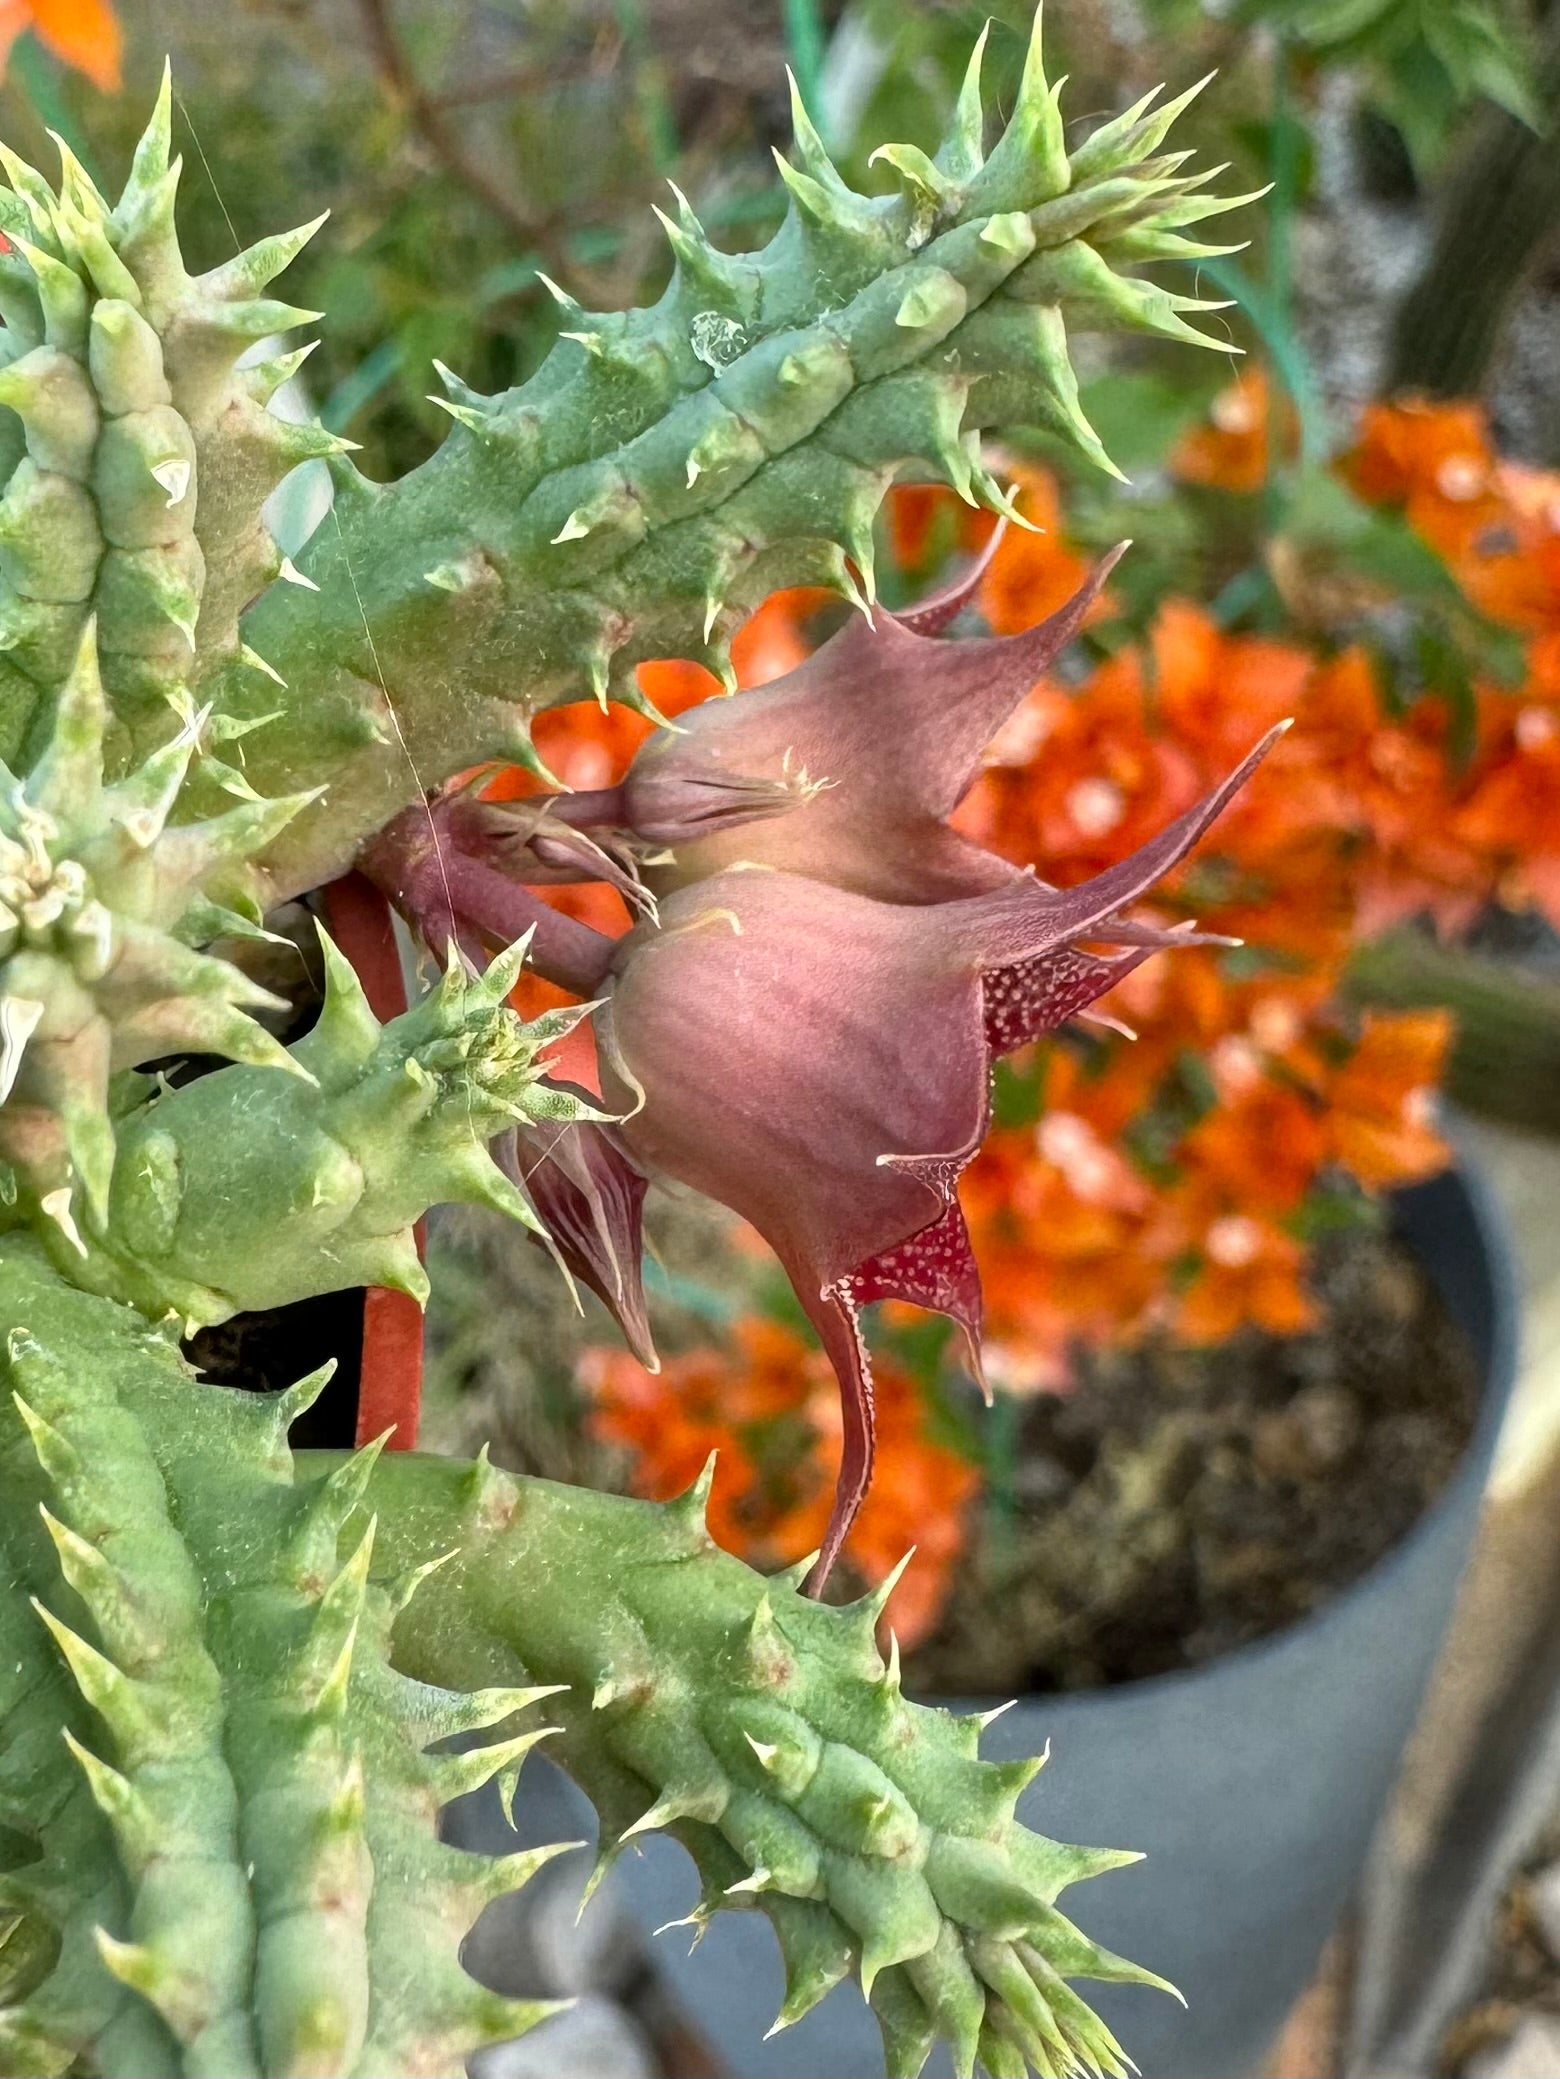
(820, 1061)
(807, 1032)
(847, 768)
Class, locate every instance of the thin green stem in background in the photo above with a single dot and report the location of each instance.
(805, 39)
(655, 108)
(1289, 361)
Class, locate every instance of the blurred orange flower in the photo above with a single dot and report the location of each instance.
(1435, 460)
(1251, 1274)
(1216, 693)
(1032, 574)
(82, 33)
(1260, 1149)
(1229, 451)
(1380, 1113)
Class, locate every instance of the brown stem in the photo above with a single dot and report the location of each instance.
(523, 79)
(1496, 216)
(429, 116)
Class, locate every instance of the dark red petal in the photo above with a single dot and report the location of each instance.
(777, 1038)
(1032, 997)
(897, 724)
(590, 1198)
(933, 1269)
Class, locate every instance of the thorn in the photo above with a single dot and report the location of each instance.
(598, 1870)
(1000, 500)
(55, 1205)
(766, 1750)
(342, 1490)
(298, 1398)
(574, 528)
(698, 1920)
(985, 1718)
(760, 1880)
(292, 575)
(608, 1690)
(1010, 234)
(174, 477)
(664, 1812)
(876, 1601)
(463, 414)
(459, 1774)
(405, 1585)
(861, 600)
(794, 1576)
(1016, 1776)
(256, 662)
(82, 1564)
(600, 674)
(560, 296)
(692, 1503)
(105, 1687)
(58, 1457)
(134, 1964)
(19, 1019)
(111, 1792)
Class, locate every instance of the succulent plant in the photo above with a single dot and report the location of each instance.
(222, 1669)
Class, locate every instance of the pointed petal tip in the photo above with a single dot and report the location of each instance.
(931, 615)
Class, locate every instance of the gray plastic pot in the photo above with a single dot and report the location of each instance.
(1253, 1784)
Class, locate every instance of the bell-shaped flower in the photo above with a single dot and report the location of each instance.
(819, 1060)
(847, 768)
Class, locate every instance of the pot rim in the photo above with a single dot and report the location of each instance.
(1498, 1374)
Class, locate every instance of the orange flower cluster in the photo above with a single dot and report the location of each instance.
(769, 1405)
(82, 33)
(1496, 524)
(1167, 1182)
